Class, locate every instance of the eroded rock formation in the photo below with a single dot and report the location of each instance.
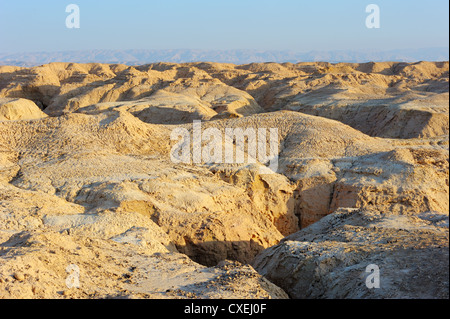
(87, 179)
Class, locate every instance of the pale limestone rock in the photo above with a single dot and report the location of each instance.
(330, 258)
(94, 185)
(19, 109)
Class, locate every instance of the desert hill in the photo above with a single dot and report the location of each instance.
(87, 178)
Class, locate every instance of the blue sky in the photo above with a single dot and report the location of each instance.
(297, 25)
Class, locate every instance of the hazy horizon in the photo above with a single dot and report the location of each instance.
(140, 57)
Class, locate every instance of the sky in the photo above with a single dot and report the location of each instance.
(295, 25)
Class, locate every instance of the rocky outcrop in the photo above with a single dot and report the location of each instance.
(113, 161)
(56, 265)
(19, 109)
(333, 165)
(337, 257)
(361, 177)
(122, 253)
(386, 99)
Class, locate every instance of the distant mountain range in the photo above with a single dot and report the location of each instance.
(136, 57)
